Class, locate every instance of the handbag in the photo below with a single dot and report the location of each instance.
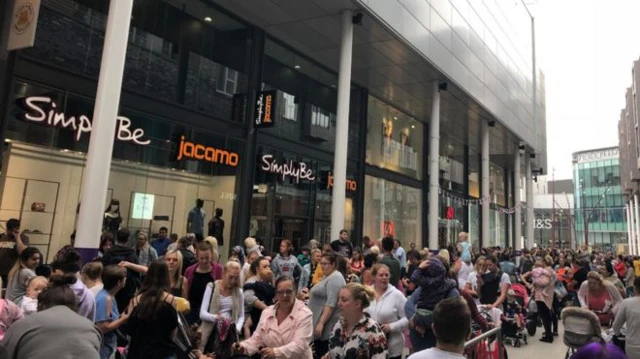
(38, 206)
(560, 290)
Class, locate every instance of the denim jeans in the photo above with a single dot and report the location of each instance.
(108, 346)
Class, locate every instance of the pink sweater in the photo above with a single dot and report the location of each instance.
(290, 339)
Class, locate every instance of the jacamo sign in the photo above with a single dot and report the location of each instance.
(266, 109)
(190, 150)
(297, 170)
(351, 185)
(43, 110)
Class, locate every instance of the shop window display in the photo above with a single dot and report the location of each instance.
(394, 139)
(324, 189)
(151, 185)
(391, 209)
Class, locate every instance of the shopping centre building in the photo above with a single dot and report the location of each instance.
(454, 82)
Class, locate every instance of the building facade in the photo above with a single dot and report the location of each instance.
(630, 158)
(194, 74)
(554, 209)
(600, 212)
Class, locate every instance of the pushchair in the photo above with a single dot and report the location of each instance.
(581, 327)
(513, 322)
(488, 348)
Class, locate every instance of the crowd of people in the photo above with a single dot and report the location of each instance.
(170, 297)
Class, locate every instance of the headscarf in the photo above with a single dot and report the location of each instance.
(599, 350)
(434, 282)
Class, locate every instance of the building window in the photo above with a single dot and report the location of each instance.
(320, 117)
(289, 108)
(227, 81)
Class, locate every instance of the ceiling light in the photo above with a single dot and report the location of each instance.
(395, 118)
(297, 67)
(208, 19)
(413, 126)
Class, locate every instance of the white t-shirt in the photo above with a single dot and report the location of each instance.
(435, 353)
(463, 274)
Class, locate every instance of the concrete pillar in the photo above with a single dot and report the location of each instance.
(630, 243)
(434, 166)
(484, 184)
(342, 126)
(530, 216)
(517, 216)
(635, 220)
(95, 179)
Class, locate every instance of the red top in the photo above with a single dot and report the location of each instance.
(597, 303)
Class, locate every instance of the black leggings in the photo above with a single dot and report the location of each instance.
(557, 309)
(545, 315)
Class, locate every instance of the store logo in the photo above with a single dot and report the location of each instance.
(351, 185)
(297, 170)
(191, 150)
(24, 16)
(43, 109)
(542, 224)
(266, 109)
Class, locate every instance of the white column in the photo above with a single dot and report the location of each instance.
(434, 167)
(342, 126)
(635, 220)
(632, 226)
(95, 179)
(484, 184)
(517, 216)
(530, 217)
(629, 226)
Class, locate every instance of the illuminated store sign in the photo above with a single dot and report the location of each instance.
(266, 109)
(43, 110)
(297, 170)
(190, 150)
(351, 185)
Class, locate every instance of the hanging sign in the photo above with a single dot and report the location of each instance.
(297, 170)
(266, 109)
(43, 110)
(24, 21)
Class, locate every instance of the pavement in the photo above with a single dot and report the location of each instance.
(537, 349)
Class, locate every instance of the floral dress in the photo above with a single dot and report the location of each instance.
(367, 341)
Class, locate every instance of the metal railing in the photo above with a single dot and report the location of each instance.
(471, 344)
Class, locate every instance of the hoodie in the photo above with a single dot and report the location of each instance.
(86, 300)
(286, 267)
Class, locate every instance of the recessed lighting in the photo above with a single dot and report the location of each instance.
(208, 19)
(395, 118)
(413, 126)
(297, 66)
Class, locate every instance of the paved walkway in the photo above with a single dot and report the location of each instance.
(539, 350)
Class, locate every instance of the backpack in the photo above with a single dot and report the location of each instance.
(188, 259)
(490, 290)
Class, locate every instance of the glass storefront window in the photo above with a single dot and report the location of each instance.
(497, 188)
(450, 221)
(322, 220)
(394, 139)
(392, 209)
(154, 175)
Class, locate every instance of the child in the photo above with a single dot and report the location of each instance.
(513, 309)
(9, 314)
(35, 286)
(107, 317)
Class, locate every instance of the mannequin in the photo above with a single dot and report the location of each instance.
(112, 219)
(216, 227)
(195, 220)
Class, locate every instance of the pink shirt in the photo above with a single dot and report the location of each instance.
(290, 339)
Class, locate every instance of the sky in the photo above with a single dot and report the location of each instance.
(586, 49)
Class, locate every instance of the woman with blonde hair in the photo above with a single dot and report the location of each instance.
(222, 312)
(600, 297)
(387, 309)
(472, 281)
(21, 273)
(356, 335)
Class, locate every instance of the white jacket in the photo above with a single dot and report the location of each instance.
(389, 309)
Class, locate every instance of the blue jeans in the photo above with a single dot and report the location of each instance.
(108, 346)
(418, 342)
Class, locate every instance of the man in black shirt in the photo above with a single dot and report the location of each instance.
(343, 246)
(118, 253)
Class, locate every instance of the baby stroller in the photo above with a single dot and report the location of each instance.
(513, 322)
(581, 327)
